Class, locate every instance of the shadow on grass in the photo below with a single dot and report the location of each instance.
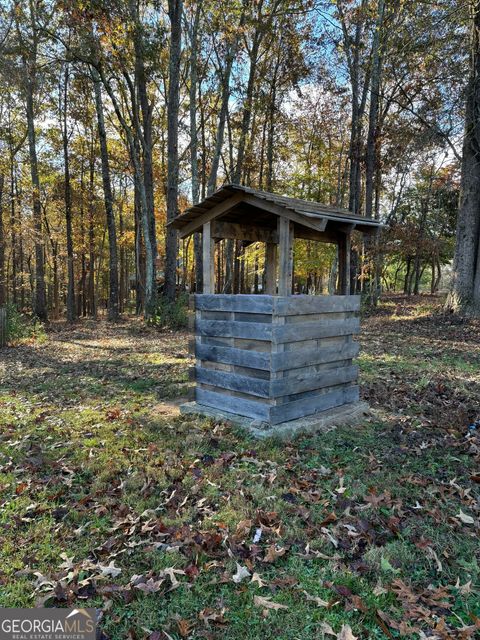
(95, 378)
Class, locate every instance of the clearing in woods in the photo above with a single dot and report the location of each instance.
(178, 527)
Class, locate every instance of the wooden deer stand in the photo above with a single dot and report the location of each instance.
(274, 362)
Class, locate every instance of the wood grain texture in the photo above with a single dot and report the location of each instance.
(233, 329)
(295, 359)
(208, 259)
(299, 305)
(285, 250)
(343, 285)
(311, 381)
(271, 268)
(313, 404)
(246, 232)
(234, 382)
(241, 302)
(315, 330)
(231, 404)
(275, 358)
(209, 215)
(231, 355)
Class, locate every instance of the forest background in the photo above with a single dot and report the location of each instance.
(114, 117)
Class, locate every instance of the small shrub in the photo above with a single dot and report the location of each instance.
(21, 327)
(172, 315)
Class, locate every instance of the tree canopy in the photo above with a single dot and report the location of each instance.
(114, 116)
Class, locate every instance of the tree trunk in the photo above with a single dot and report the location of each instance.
(71, 315)
(92, 307)
(247, 108)
(418, 275)
(121, 296)
(353, 47)
(144, 139)
(197, 238)
(225, 97)
(108, 198)
(56, 283)
(139, 255)
(13, 231)
(82, 307)
(175, 15)
(372, 136)
(40, 301)
(133, 136)
(271, 129)
(465, 290)
(3, 284)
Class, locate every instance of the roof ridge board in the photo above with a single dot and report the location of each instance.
(356, 219)
(276, 201)
(318, 206)
(275, 197)
(341, 216)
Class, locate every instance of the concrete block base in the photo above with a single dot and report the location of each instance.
(347, 414)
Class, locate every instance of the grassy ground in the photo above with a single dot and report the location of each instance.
(177, 527)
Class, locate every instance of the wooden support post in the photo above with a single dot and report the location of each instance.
(343, 286)
(208, 259)
(270, 269)
(285, 247)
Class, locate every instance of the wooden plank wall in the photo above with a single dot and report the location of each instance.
(275, 358)
(233, 338)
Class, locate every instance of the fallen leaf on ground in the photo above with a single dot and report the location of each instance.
(256, 578)
(274, 552)
(327, 629)
(346, 633)
(241, 574)
(465, 518)
(266, 603)
(319, 602)
(110, 570)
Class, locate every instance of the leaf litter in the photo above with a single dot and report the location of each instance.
(122, 485)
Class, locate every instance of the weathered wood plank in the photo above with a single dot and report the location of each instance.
(241, 316)
(313, 222)
(208, 259)
(285, 250)
(313, 404)
(319, 236)
(314, 330)
(306, 357)
(300, 318)
(197, 223)
(231, 404)
(299, 305)
(231, 355)
(234, 382)
(311, 381)
(271, 268)
(215, 315)
(245, 232)
(253, 345)
(232, 329)
(246, 303)
(343, 285)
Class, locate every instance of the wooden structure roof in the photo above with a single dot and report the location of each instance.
(237, 205)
